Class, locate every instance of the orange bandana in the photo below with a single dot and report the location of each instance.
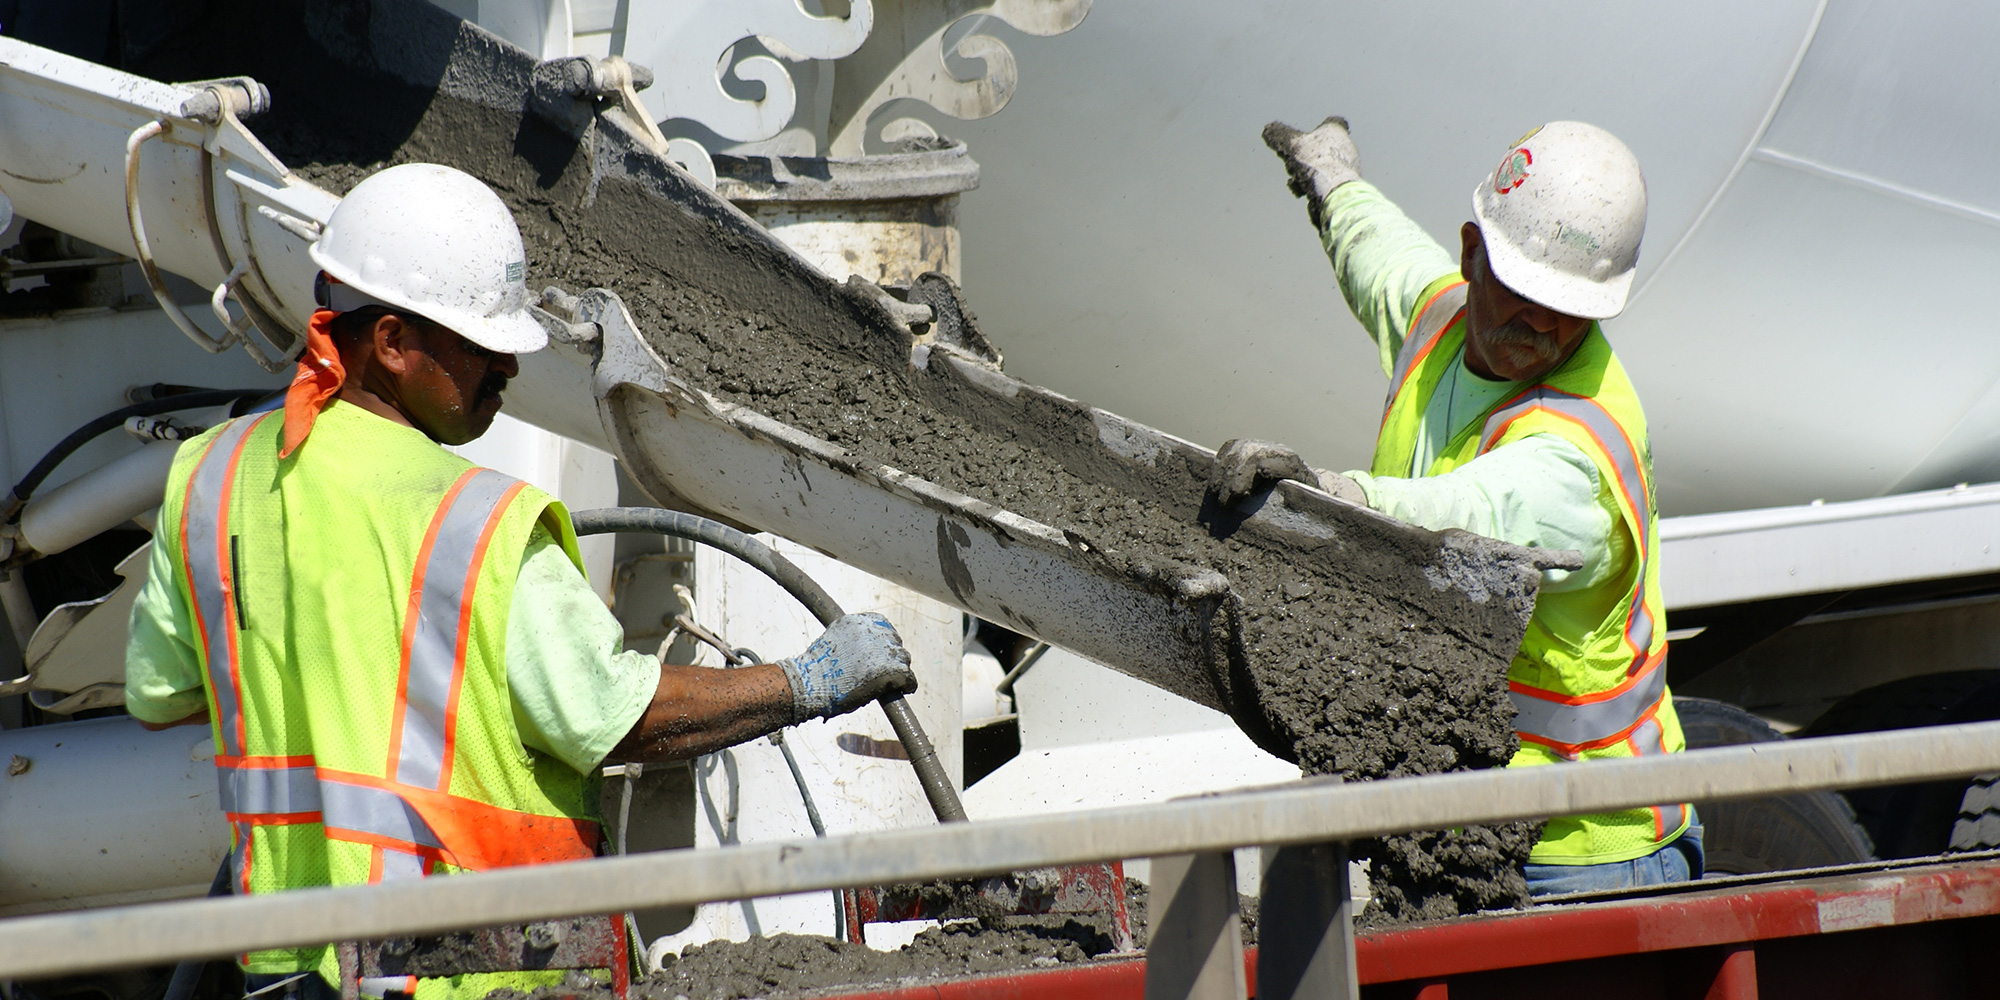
(319, 378)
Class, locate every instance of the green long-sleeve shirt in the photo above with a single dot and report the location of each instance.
(1539, 491)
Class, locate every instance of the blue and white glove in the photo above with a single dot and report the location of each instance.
(859, 659)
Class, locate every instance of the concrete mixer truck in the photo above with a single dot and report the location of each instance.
(147, 214)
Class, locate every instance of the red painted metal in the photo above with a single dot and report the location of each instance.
(1692, 919)
(1737, 978)
(1695, 943)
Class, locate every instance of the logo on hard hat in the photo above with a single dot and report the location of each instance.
(516, 270)
(1513, 170)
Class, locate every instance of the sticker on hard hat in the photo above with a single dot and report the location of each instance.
(1513, 170)
(517, 270)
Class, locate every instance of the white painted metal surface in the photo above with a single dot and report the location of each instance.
(1299, 814)
(212, 197)
(1800, 330)
(59, 372)
(103, 812)
(689, 46)
(1092, 737)
(905, 61)
(99, 500)
(1752, 555)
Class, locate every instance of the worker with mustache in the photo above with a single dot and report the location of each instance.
(405, 671)
(1509, 416)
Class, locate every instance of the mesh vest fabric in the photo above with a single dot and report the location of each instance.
(1579, 693)
(351, 604)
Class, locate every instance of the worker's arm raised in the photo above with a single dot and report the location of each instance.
(698, 710)
(1383, 261)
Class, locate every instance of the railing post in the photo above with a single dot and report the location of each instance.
(1305, 925)
(1736, 975)
(1196, 949)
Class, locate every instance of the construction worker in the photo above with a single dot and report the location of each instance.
(1509, 416)
(403, 665)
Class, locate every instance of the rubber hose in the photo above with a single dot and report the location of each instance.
(187, 974)
(652, 520)
(116, 418)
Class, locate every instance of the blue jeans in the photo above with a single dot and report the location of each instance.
(1678, 861)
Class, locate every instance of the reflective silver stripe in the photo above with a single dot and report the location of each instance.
(433, 653)
(401, 865)
(377, 811)
(1636, 489)
(248, 791)
(1647, 739)
(1572, 725)
(1444, 308)
(206, 523)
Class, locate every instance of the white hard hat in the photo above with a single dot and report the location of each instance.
(435, 241)
(1563, 214)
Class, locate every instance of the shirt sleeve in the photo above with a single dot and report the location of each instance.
(576, 692)
(1383, 261)
(163, 680)
(1540, 491)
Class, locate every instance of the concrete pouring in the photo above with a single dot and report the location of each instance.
(1315, 656)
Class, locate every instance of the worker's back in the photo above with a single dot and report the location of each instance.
(351, 605)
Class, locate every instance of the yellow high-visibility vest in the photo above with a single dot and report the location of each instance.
(1585, 696)
(351, 605)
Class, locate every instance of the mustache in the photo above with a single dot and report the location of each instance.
(1516, 333)
(491, 386)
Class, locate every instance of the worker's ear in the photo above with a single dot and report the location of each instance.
(394, 343)
(1471, 242)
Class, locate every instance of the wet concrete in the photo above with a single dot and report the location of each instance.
(798, 965)
(1322, 664)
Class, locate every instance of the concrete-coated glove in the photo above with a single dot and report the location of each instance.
(859, 659)
(1318, 161)
(1244, 465)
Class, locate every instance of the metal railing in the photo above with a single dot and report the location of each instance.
(1308, 812)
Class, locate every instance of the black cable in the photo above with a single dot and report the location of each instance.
(116, 418)
(766, 559)
(938, 789)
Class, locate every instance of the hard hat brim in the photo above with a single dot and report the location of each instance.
(1545, 285)
(515, 332)
(508, 333)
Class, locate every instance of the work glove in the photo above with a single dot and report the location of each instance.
(1245, 465)
(859, 659)
(1318, 161)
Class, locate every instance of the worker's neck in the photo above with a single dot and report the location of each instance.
(351, 392)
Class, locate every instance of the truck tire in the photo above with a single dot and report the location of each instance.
(1921, 820)
(1978, 825)
(1781, 833)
